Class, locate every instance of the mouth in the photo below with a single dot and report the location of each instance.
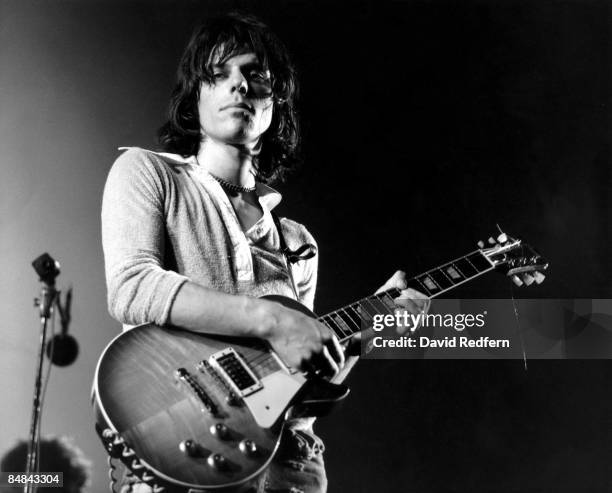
(239, 106)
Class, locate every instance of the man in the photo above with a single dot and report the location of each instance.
(189, 237)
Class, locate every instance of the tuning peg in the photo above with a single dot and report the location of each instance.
(516, 280)
(502, 238)
(491, 240)
(480, 244)
(539, 277)
(528, 279)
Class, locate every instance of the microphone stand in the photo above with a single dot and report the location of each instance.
(48, 269)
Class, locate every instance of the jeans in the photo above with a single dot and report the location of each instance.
(298, 467)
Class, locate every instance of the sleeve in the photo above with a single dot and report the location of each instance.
(306, 278)
(139, 289)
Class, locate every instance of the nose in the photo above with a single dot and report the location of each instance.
(240, 84)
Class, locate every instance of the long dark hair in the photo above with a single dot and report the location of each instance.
(220, 38)
(56, 454)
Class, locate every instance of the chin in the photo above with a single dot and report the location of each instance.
(242, 135)
(236, 132)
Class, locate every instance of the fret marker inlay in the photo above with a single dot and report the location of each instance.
(451, 271)
(429, 283)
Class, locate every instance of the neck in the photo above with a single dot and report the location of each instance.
(232, 163)
(350, 319)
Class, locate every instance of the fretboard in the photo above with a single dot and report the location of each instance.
(347, 321)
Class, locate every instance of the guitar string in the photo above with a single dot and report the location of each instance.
(518, 326)
(336, 327)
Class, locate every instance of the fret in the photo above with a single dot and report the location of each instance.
(349, 319)
(429, 283)
(414, 283)
(479, 261)
(346, 329)
(378, 305)
(354, 319)
(468, 261)
(336, 329)
(368, 307)
(466, 267)
(394, 292)
(353, 311)
(441, 279)
(361, 311)
(454, 272)
(387, 299)
(446, 274)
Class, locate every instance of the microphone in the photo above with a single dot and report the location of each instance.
(63, 349)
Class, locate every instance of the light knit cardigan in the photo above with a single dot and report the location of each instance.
(165, 220)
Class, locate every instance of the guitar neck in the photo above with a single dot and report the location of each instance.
(346, 322)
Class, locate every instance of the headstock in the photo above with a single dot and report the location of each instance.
(522, 263)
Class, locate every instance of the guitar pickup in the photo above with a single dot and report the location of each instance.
(233, 369)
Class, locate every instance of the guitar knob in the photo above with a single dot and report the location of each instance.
(248, 447)
(220, 431)
(216, 461)
(189, 448)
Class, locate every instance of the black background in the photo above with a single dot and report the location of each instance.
(425, 124)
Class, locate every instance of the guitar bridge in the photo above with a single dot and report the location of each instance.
(232, 368)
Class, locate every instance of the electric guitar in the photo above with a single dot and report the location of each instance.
(193, 413)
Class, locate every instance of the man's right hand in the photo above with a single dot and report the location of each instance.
(302, 342)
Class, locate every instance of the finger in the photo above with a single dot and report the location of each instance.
(327, 364)
(336, 351)
(308, 367)
(407, 304)
(404, 322)
(403, 328)
(413, 294)
(421, 300)
(397, 280)
(353, 346)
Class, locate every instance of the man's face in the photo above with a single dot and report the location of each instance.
(237, 107)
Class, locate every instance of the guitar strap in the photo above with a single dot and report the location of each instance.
(306, 251)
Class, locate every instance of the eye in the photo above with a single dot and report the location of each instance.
(218, 75)
(259, 75)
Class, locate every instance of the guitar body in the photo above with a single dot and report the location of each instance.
(190, 413)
